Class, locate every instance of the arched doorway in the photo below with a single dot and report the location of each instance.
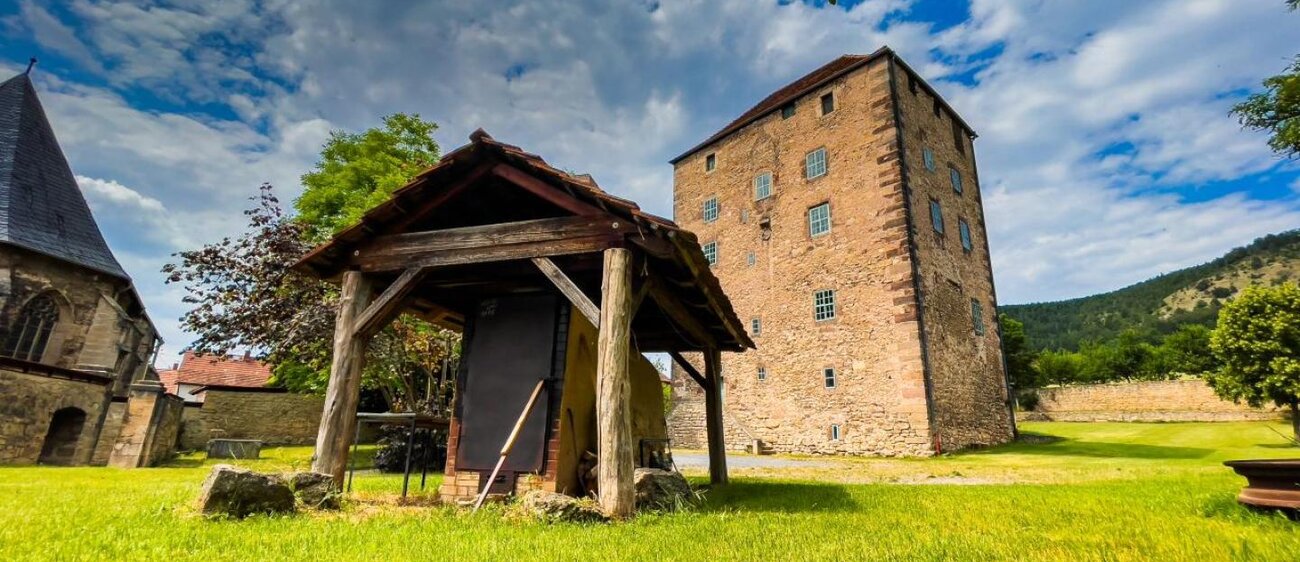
(60, 445)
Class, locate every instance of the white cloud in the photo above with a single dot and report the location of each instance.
(113, 193)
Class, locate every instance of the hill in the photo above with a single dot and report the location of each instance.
(1158, 305)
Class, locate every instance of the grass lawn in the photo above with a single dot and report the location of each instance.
(1075, 492)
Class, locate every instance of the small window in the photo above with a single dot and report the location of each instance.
(955, 177)
(929, 158)
(936, 216)
(814, 164)
(762, 373)
(958, 135)
(755, 327)
(762, 186)
(819, 220)
(828, 376)
(824, 305)
(911, 83)
(751, 259)
(936, 105)
(828, 103)
(977, 316)
(744, 216)
(835, 432)
(787, 110)
(710, 212)
(710, 162)
(963, 230)
(711, 253)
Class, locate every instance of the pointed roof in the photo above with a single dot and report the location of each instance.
(41, 207)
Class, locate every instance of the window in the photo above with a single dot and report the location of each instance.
(977, 316)
(755, 327)
(744, 216)
(936, 216)
(762, 373)
(787, 110)
(710, 162)
(828, 376)
(751, 258)
(711, 252)
(762, 186)
(819, 220)
(957, 136)
(828, 103)
(955, 177)
(814, 164)
(835, 432)
(31, 331)
(936, 105)
(710, 212)
(929, 158)
(824, 305)
(963, 229)
(911, 83)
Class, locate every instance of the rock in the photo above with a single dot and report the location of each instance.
(660, 489)
(315, 490)
(234, 449)
(239, 493)
(561, 508)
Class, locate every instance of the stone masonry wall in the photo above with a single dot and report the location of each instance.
(30, 400)
(1163, 401)
(968, 382)
(873, 343)
(276, 418)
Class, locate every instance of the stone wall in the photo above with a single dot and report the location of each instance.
(1151, 401)
(109, 433)
(275, 418)
(30, 400)
(969, 396)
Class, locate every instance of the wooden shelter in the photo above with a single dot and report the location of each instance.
(494, 224)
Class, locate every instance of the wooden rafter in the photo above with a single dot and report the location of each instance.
(569, 289)
(544, 190)
(689, 368)
(439, 198)
(388, 303)
(677, 312)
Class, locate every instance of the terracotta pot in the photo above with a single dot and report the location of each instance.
(1272, 484)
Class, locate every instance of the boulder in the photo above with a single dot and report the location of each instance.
(238, 492)
(561, 508)
(314, 489)
(662, 490)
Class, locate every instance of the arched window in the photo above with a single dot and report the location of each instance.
(31, 331)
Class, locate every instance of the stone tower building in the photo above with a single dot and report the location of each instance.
(843, 216)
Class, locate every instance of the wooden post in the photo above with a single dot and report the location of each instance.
(614, 386)
(713, 416)
(338, 421)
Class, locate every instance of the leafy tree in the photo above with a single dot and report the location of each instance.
(1187, 351)
(357, 171)
(1258, 341)
(1020, 359)
(1057, 367)
(1277, 108)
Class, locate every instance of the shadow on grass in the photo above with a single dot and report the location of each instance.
(1051, 445)
(780, 497)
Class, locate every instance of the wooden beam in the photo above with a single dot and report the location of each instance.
(677, 312)
(689, 369)
(493, 242)
(699, 271)
(713, 417)
(569, 289)
(339, 418)
(388, 303)
(545, 191)
(614, 387)
(439, 198)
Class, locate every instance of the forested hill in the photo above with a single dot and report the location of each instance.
(1158, 305)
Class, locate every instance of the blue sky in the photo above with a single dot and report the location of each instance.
(1106, 152)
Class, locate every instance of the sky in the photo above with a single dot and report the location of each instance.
(1106, 150)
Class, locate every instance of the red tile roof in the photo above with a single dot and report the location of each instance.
(238, 371)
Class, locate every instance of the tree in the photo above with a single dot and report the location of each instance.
(1277, 108)
(1258, 340)
(1020, 359)
(1187, 351)
(357, 171)
(1057, 367)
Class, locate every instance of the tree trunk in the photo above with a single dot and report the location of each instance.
(614, 386)
(1295, 420)
(713, 417)
(338, 421)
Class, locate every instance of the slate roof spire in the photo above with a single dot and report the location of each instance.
(41, 207)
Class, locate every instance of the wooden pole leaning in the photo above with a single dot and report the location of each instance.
(713, 416)
(339, 418)
(614, 387)
(510, 442)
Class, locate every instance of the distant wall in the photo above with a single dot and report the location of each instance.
(1179, 400)
(275, 418)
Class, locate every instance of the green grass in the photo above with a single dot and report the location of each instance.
(1094, 492)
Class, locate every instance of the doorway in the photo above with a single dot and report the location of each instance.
(60, 445)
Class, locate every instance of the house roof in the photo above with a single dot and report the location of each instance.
(213, 370)
(683, 260)
(41, 207)
(806, 84)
